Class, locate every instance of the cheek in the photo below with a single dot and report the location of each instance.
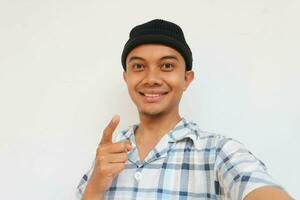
(132, 84)
(176, 82)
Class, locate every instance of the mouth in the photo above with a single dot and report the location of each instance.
(153, 97)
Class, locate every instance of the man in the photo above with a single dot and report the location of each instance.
(166, 156)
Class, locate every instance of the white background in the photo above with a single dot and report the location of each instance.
(61, 82)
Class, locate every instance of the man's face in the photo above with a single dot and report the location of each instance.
(156, 78)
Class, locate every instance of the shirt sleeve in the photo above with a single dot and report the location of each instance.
(239, 172)
(83, 182)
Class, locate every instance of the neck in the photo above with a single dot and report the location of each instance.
(155, 126)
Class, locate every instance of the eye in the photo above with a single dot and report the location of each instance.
(167, 66)
(137, 67)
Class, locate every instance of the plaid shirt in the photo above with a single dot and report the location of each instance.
(187, 163)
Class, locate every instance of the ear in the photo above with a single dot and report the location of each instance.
(125, 76)
(189, 77)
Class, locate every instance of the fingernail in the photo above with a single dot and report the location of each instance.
(115, 118)
(128, 146)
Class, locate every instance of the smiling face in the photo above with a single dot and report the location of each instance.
(156, 78)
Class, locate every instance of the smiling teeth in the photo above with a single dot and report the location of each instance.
(152, 95)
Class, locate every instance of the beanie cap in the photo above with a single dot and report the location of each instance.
(158, 31)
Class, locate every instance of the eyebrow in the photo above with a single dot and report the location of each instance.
(136, 58)
(169, 57)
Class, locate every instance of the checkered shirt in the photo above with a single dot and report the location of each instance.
(187, 163)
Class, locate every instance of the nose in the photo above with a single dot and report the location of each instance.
(152, 77)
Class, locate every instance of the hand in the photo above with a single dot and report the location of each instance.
(110, 160)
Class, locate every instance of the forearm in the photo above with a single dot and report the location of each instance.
(89, 194)
(264, 193)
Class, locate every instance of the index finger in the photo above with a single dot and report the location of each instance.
(109, 130)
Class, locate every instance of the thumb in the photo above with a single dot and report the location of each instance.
(109, 130)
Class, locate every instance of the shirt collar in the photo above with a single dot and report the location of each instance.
(182, 130)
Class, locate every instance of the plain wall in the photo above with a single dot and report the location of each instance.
(61, 82)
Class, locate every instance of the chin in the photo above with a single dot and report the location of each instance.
(151, 113)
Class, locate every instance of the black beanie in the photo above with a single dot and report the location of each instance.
(158, 31)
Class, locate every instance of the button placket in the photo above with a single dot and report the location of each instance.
(138, 176)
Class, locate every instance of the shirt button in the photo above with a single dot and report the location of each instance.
(138, 176)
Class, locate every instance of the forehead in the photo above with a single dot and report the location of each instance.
(154, 51)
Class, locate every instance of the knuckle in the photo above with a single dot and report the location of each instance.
(105, 132)
(101, 158)
(99, 151)
(122, 145)
(102, 148)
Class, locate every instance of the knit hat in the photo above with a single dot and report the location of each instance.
(158, 31)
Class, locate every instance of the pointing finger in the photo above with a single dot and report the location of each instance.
(109, 130)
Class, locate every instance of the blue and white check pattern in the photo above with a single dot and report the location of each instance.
(187, 163)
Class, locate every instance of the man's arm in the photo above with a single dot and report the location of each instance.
(110, 160)
(244, 176)
(266, 193)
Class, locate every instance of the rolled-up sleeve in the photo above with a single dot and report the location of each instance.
(238, 170)
(83, 182)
